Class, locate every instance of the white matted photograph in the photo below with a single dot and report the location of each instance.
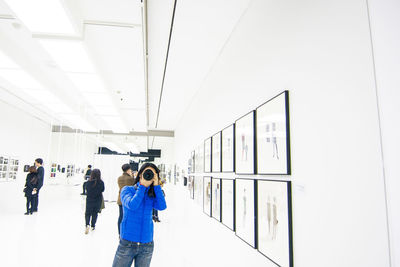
(228, 149)
(227, 210)
(273, 144)
(244, 210)
(207, 195)
(244, 144)
(274, 221)
(216, 152)
(207, 155)
(216, 198)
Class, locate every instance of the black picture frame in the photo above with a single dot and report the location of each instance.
(216, 162)
(287, 186)
(252, 162)
(251, 240)
(228, 170)
(216, 214)
(224, 207)
(209, 159)
(273, 138)
(207, 180)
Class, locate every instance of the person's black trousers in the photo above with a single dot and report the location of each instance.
(121, 215)
(35, 202)
(29, 204)
(92, 210)
(84, 187)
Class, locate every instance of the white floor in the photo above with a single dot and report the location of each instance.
(54, 236)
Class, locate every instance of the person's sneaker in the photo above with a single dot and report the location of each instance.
(83, 194)
(93, 228)
(26, 213)
(87, 229)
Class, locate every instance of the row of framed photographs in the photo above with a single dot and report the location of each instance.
(258, 211)
(257, 143)
(8, 168)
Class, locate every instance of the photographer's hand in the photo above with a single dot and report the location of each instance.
(144, 182)
(155, 180)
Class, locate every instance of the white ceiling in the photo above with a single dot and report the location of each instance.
(94, 78)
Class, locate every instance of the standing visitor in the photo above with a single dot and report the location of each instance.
(126, 179)
(137, 228)
(40, 177)
(30, 189)
(86, 177)
(94, 197)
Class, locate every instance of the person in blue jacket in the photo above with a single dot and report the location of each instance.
(137, 229)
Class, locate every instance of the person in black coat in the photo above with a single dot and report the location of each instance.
(30, 189)
(40, 176)
(94, 198)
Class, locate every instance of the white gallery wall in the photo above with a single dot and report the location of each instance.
(73, 148)
(321, 52)
(385, 23)
(23, 137)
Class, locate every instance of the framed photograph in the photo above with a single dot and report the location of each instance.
(192, 157)
(216, 152)
(207, 155)
(273, 137)
(191, 186)
(228, 201)
(216, 198)
(245, 211)
(244, 144)
(274, 221)
(228, 149)
(207, 195)
(26, 168)
(198, 190)
(199, 159)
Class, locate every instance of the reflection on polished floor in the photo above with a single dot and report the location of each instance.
(54, 237)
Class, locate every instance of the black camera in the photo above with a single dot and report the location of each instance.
(148, 175)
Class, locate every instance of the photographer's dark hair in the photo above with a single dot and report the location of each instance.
(39, 160)
(89, 166)
(126, 167)
(95, 176)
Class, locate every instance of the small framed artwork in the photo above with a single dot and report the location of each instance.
(273, 137)
(245, 211)
(207, 155)
(216, 152)
(274, 221)
(191, 186)
(228, 149)
(193, 158)
(198, 190)
(207, 195)
(244, 144)
(26, 168)
(228, 201)
(216, 198)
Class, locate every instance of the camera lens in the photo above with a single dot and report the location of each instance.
(148, 175)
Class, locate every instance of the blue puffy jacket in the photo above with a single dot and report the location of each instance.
(137, 223)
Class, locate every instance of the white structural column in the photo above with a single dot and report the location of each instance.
(385, 22)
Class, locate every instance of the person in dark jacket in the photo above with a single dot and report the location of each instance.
(94, 198)
(30, 189)
(40, 176)
(88, 172)
(137, 229)
(126, 179)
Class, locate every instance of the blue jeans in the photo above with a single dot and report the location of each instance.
(128, 251)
